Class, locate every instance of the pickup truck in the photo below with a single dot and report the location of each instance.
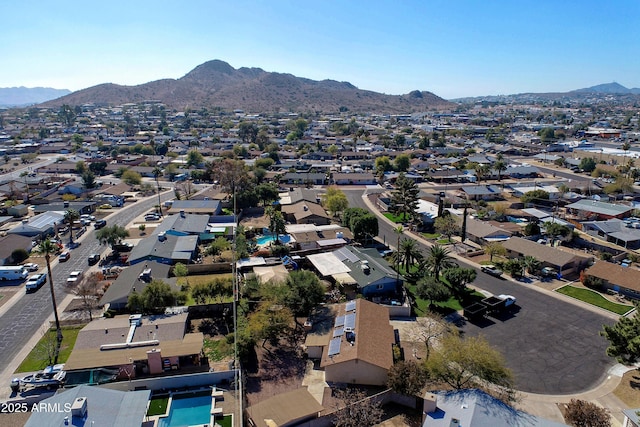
(35, 281)
(490, 269)
(74, 278)
(494, 304)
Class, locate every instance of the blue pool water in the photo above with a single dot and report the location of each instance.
(188, 411)
(263, 240)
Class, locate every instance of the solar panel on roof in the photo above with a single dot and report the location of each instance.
(350, 320)
(337, 332)
(339, 321)
(351, 305)
(334, 346)
(345, 254)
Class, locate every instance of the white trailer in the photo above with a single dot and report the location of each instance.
(13, 272)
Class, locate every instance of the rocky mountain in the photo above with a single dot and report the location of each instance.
(24, 96)
(218, 84)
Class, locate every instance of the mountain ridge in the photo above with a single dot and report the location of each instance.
(215, 83)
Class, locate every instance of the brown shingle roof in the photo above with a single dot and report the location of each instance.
(615, 274)
(552, 256)
(374, 337)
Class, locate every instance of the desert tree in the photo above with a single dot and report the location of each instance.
(580, 413)
(355, 409)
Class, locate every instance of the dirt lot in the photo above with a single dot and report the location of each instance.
(629, 389)
(7, 292)
(275, 369)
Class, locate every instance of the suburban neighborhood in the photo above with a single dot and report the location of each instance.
(476, 265)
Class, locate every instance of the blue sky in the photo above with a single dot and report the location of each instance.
(451, 48)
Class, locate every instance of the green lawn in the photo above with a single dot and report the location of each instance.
(37, 359)
(225, 421)
(395, 218)
(444, 242)
(158, 405)
(594, 298)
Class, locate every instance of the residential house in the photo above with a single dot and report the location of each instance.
(132, 279)
(593, 210)
(311, 236)
(564, 262)
(359, 349)
(87, 405)
(624, 280)
(305, 212)
(165, 248)
(135, 345)
(625, 233)
(631, 417)
(287, 409)
(297, 178)
(183, 224)
(80, 207)
(364, 268)
(39, 226)
(482, 232)
(481, 192)
(475, 408)
(362, 178)
(200, 207)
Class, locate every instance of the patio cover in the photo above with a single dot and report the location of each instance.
(328, 264)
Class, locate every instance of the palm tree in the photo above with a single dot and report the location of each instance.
(399, 230)
(156, 173)
(482, 171)
(500, 166)
(439, 258)
(531, 264)
(409, 253)
(71, 216)
(46, 247)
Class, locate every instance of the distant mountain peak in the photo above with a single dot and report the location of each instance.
(612, 88)
(23, 96)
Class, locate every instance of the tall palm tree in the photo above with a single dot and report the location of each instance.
(500, 166)
(409, 253)
(399, 230)
(46, 247)
(439, 258)
(156, 173)
(71, 216)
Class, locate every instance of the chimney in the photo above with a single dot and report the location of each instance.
(430, 403)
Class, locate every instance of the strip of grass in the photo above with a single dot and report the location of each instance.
(37, 359)
(225, 421)
(431, 235)
(158, 405)
(594, 298)
(444, 242)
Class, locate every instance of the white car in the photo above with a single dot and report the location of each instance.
(74, 277)
(31, 266)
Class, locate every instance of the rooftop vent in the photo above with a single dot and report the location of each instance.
(135, 319)
(364, 265)
(79, 407)
(182, 214)
(162, 236)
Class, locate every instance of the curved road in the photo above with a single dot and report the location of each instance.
(552, 346)
(22, 320)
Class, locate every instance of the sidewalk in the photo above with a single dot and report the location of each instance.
(546, 405)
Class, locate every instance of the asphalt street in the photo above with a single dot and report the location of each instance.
(552, 346)
(23, 319)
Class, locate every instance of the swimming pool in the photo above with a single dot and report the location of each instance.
(188, 410)
(263, 240)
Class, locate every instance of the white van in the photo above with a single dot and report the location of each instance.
(13, 273)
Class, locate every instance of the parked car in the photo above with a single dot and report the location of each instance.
(99, 223)
(74, 278)
(93, 259)
(35, 281)
(31, 266)
(122, 247)
(151, 217)
(64, 256)
(492, 270)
